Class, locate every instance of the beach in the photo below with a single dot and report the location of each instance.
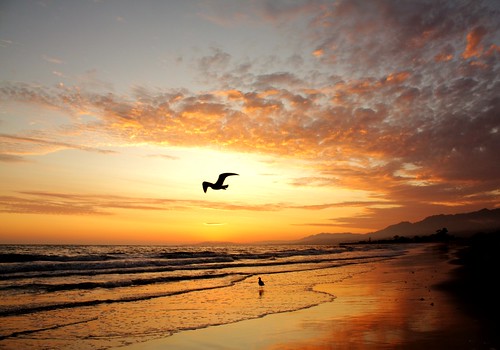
(358, 296)
(408, 302)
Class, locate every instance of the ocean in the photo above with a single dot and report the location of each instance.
(102, 297)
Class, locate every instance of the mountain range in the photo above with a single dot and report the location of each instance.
(464, 224)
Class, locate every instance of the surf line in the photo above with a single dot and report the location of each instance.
(31, 331)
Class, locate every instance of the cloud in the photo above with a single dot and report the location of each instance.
(13, 145)
(364, 204)
(474, 38)
(59, 203)
(52, 59)
(230, 14)
(316, 224)
(9, 158)
(53, 206)
(358, 132)
(371, 37)
(164, 156)
(215, 62)
(398, 98)
(5, 42)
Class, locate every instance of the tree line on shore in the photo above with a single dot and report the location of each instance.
(441, 235)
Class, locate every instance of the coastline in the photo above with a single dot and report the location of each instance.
(405, 302)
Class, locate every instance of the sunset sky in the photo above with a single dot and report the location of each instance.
(339, 116)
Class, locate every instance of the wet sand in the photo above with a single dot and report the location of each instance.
(406, 302)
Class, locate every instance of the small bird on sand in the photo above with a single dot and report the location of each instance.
(261, 282)
(219, 184)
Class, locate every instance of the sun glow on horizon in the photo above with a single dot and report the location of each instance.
(109, 140)
(156, 194)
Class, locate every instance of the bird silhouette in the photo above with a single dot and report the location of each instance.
(219, 184)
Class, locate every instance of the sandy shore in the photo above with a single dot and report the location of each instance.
(401, 303)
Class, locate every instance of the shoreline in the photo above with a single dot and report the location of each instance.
(403, 302)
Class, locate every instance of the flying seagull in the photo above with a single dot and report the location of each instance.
(219, 184)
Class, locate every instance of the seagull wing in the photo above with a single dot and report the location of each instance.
(206, 185)
(222, 177)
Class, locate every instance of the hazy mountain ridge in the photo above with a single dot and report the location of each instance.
(457, 224)
(329, 238)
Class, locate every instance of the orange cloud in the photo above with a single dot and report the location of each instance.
(442, 57)
(57, 203)
(10, 158)
(474, 38)
(17, 145)
(397, 78)
(318, 53)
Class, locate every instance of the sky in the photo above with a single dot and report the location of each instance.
(338, 116)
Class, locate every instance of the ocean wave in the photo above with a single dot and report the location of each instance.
(13, 270)
(197, 272)
(48, 287)
(29, 309)
(90, 265)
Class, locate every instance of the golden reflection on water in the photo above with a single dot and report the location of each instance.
(391, 306)
(377, 306)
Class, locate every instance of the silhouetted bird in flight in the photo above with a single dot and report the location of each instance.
(219, 184)
(261, 282)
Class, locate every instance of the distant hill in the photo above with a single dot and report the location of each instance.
(331, 238)
(464, 224)
(457, 224)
